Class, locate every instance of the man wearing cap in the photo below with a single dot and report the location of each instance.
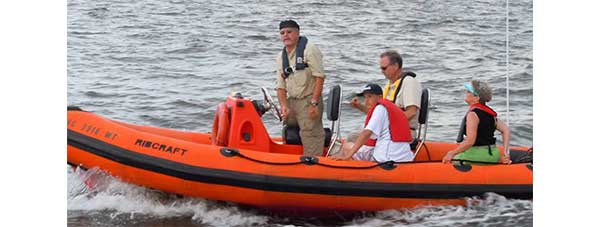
(300, 77)
(402, 88)
(386, 135)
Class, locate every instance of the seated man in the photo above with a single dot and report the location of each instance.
(402, 88)
(386, 136)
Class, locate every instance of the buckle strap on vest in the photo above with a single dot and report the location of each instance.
(300, 65)
(463, 131)
(397, 89)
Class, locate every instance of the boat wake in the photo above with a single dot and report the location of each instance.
(103, 199)
(96, 198)
(489, 210)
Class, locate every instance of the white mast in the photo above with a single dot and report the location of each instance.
(507, 76)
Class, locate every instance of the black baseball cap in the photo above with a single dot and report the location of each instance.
(288, 24)
(372, 89)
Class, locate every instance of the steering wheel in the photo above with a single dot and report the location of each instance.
(270, 104)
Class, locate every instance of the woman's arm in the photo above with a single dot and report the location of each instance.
(472, 123)
(503, 128)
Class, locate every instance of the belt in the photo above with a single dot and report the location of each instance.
(296, 98)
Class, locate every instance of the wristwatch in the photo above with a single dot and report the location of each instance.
(314, 103)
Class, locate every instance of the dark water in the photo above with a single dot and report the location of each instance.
(168, 63)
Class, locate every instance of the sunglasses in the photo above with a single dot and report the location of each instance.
(385, 67)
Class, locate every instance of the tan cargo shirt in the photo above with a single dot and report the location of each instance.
(410, 95)
(301, 83)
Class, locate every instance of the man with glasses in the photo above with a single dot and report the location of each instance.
(300, 77)
(402, 88)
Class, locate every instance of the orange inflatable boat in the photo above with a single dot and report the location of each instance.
(239, 162)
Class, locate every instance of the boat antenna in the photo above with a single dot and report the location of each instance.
(507, 70)
(507, 74)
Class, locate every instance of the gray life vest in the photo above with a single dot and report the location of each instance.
(300, 65)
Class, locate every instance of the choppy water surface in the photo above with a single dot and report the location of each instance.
(168, 63)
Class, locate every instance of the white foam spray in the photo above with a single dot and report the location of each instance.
(108, 194)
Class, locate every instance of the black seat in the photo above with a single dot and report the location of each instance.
(291, 135)
(423, 120)
(424, 113)
(333, 103)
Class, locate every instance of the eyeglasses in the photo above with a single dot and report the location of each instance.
(385, 67)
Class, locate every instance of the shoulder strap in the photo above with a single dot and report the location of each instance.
(300, 65)
(284, 62)
(397, 89)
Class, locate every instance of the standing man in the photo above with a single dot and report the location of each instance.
(300, 78)
(402, 88)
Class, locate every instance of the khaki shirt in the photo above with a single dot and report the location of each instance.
(410, 95)
(302, 82)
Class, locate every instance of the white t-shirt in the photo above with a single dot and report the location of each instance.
(386, 149)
